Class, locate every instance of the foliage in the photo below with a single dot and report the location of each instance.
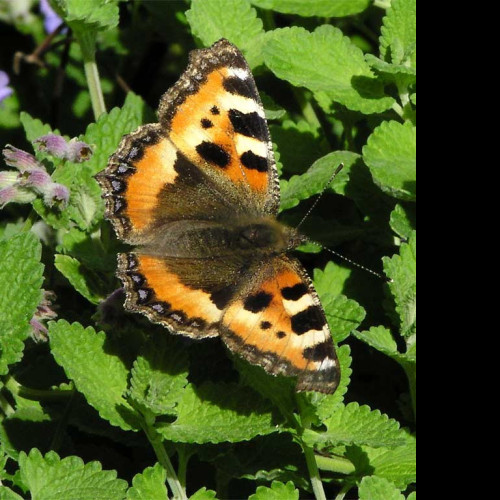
(102, 404)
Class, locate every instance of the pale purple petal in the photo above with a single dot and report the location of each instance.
(37, 178)
(5, 92)
(51, 20)
(78, 151)
(4, 79)
(19, 159)
(52, 144)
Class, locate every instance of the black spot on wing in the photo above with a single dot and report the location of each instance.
(223, 296)
(237, 86)
(206, 123)
(294, 292)
(265, 325)
(319, 352)
(280, 335)
(257, 302)
(215, 110)
(214, 154)
(249, 124)
(311, 318)
(254, 162)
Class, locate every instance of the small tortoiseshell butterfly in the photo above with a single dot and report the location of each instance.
(197, 195)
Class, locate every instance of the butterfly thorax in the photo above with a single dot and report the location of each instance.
(242, 236)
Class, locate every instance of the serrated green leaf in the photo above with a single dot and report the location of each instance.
(302, 187)
(33, 127)
(412, 496)
(277, 491)
(234, 20)
(391, 69)
(78, 276)
(49, 477)
(204, 494)
(402, 269)
(97, 373)
(413, 98)
(391, 155)
(150, 485)
(327, 63)
(403, 220)
(378, 488)
(344, 315)
(320, 8)
(331, 280)
(300, 144)
(216, 413)
(21, 277)
(159, 375)
(273, 110)
(399, 33)
(354, 424)
(398, 465)
(379, 338)
(88, 14)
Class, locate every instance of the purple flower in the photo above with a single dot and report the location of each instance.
(52, 144)
(78, 151)
(32, 179)
(44, 312)
(5, 90)
(51, 20)
(55, 145)
(19, 159)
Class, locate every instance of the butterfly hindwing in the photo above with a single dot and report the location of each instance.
(280, 325)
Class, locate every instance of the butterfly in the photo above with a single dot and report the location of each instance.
(197, 195)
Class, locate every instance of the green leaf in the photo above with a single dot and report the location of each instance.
(49, 477)
(150, 485)
(33, 127)
(320, 8)
(399, 33)
(327, 63)
(379, 338)
(302, 187)
(398, 465)
(402, 269)
(391, 69)
(215, 413)
(354, 424)
(97, 373)
(21, 277)
(204, 494)
(344, 315)
(78, 276)
(331, 280)
(159, 375)
(8, 494)
(403, 220)
(89, 14)
(378, 488)
(277, 491)
(235, 20)
(391, 155)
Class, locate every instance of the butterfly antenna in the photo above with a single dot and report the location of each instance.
(327, 185)
(352, 262)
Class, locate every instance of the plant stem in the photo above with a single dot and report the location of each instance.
(317, 485)
(86, 39)
(307, 109)
(335, 464)
(17, 389)
(178, 491)
(343, 492)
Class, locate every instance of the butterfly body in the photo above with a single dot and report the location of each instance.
(197, 195)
